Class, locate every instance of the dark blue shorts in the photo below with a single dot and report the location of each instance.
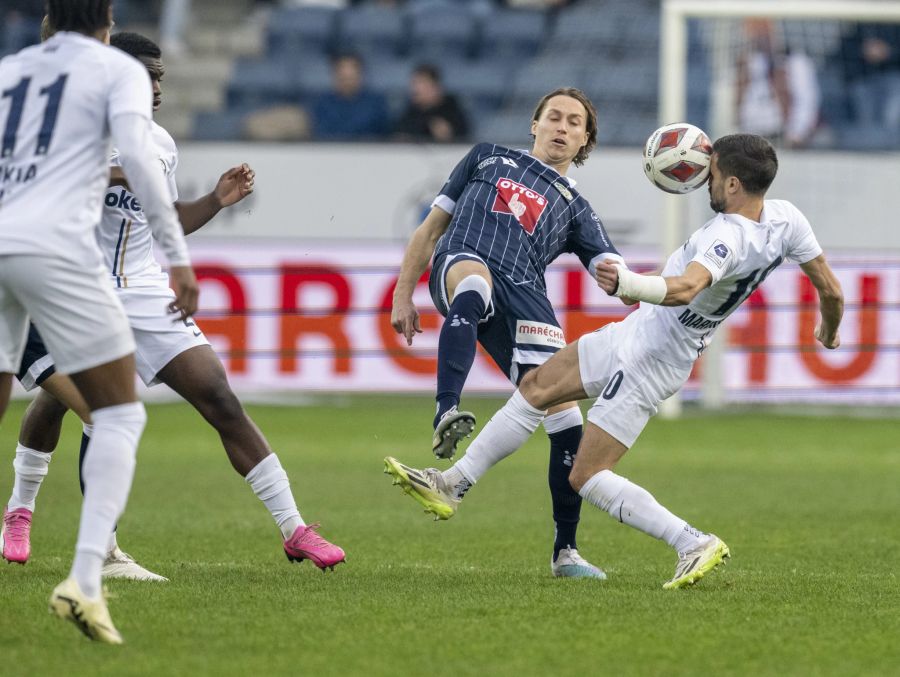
(37, 365)
(519, 329)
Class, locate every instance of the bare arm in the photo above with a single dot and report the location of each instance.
(831, 300)
(404, 316)
(663, 291)
(232, 187)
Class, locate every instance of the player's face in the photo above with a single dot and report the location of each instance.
(156, 70)
(716, 187)
(561, 130)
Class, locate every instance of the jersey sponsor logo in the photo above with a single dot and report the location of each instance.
(523, 203)
(565, 192)
(718, 253)
(488, 162)
(122, 200)
(539, 334)
(692, 320)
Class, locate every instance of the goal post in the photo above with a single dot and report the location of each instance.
(679, 217)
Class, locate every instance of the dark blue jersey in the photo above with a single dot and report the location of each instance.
(518, 215)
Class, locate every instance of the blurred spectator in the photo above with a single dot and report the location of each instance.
(538, 4)
(431, 114)
(278, 123)
(350, 111)
(21, 24)
(778, 92)
(871, 56)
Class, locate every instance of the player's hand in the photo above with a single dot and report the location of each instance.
(184, 284)
(405, 320)
(830, 342)
(234, 185)
(607, 276)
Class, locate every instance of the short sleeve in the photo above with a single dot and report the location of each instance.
(131, 91)
(802, 246)
(459, 177)
(716, 248)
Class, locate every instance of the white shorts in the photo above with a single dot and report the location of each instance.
(628, 383)
(74, 308)
(160, 336)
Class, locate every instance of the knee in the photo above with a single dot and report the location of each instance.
(577, 479)
(536, 394)
(218, 403)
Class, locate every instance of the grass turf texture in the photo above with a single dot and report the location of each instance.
(809, 507)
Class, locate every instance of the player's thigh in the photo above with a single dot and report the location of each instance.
(63, 389)
(159, 335)
(108, 384)
(628, 385)
(13, 322)
(556, 382)
(5, 388)
(75, 310)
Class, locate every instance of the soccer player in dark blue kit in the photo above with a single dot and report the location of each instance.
(502, 217)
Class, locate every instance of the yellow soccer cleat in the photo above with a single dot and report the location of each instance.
(695, 564)
(425, 486)
(90, 615)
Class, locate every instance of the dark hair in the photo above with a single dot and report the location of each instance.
(590, 123)
(748, 157)
(135, 45)
(430, 71)
(81, 16)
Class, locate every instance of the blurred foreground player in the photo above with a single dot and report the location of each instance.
(632, 365)
(502, 217)
(62, 101)
(176, 354)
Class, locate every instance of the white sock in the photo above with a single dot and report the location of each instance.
(31, 467)
(563, 420)
(637, 508)
(507, 430)
(108, 471)
(270, 483)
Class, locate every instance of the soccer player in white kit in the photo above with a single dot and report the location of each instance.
(61, 104)
(632, 365)
(176, 354)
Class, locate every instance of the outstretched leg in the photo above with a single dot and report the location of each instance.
(198, 376)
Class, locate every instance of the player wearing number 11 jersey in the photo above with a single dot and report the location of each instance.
(631, 366)
(61, 105)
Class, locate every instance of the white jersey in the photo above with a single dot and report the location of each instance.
(739, 254)
(58, 99)
(124, 234)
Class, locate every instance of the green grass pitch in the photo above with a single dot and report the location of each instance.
(809, 506)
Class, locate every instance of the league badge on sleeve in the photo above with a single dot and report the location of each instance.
(718, 253)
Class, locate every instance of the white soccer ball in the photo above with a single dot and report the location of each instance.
(677, 157)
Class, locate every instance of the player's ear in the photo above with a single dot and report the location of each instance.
(534, 127)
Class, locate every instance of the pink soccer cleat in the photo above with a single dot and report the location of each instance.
(15, 535)
(305, 543)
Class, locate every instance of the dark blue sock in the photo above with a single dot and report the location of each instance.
(81, 454)
(566, 501)
(456, 349)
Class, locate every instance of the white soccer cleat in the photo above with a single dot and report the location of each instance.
(453, 427)
(569, 564)
(695, 564)
(89, 615)
(120, 564)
